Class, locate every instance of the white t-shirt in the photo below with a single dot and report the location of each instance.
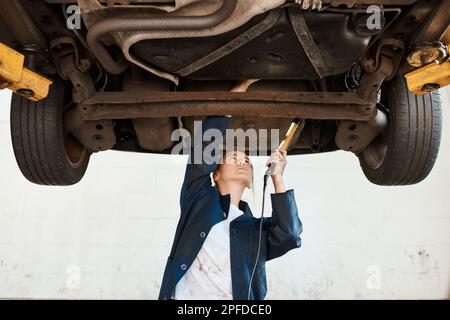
(209, 276)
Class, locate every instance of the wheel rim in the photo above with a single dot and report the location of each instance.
(375, 153)
(76, 153)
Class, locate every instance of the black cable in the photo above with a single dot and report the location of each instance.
(266, 176)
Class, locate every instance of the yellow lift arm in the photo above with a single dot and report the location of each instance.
(21, 80)
(428, 78)
(432, 76)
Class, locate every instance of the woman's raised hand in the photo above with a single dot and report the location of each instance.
(279, 159)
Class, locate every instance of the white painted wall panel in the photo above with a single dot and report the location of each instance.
(108, 237)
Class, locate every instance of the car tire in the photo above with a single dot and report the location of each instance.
(406, 152)
(44, 154)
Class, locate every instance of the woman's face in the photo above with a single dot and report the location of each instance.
(236, 167)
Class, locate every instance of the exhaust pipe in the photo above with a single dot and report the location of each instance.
(150, 23)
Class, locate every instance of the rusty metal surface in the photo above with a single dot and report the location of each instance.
(150, 23)
(307, 41)
(182, 3)
(233, 45)
(168, 5)
(211, 96)
(24, 29)
(436, 24)
(243, 13)
(154, 134)
(351, 3)
(309, 105)
(431, 18)
(371, 82)
(355, 136)
(94, 135)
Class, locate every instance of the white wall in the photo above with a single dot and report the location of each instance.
(108, 237)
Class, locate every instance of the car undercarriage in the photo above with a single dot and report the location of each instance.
(127, 73)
